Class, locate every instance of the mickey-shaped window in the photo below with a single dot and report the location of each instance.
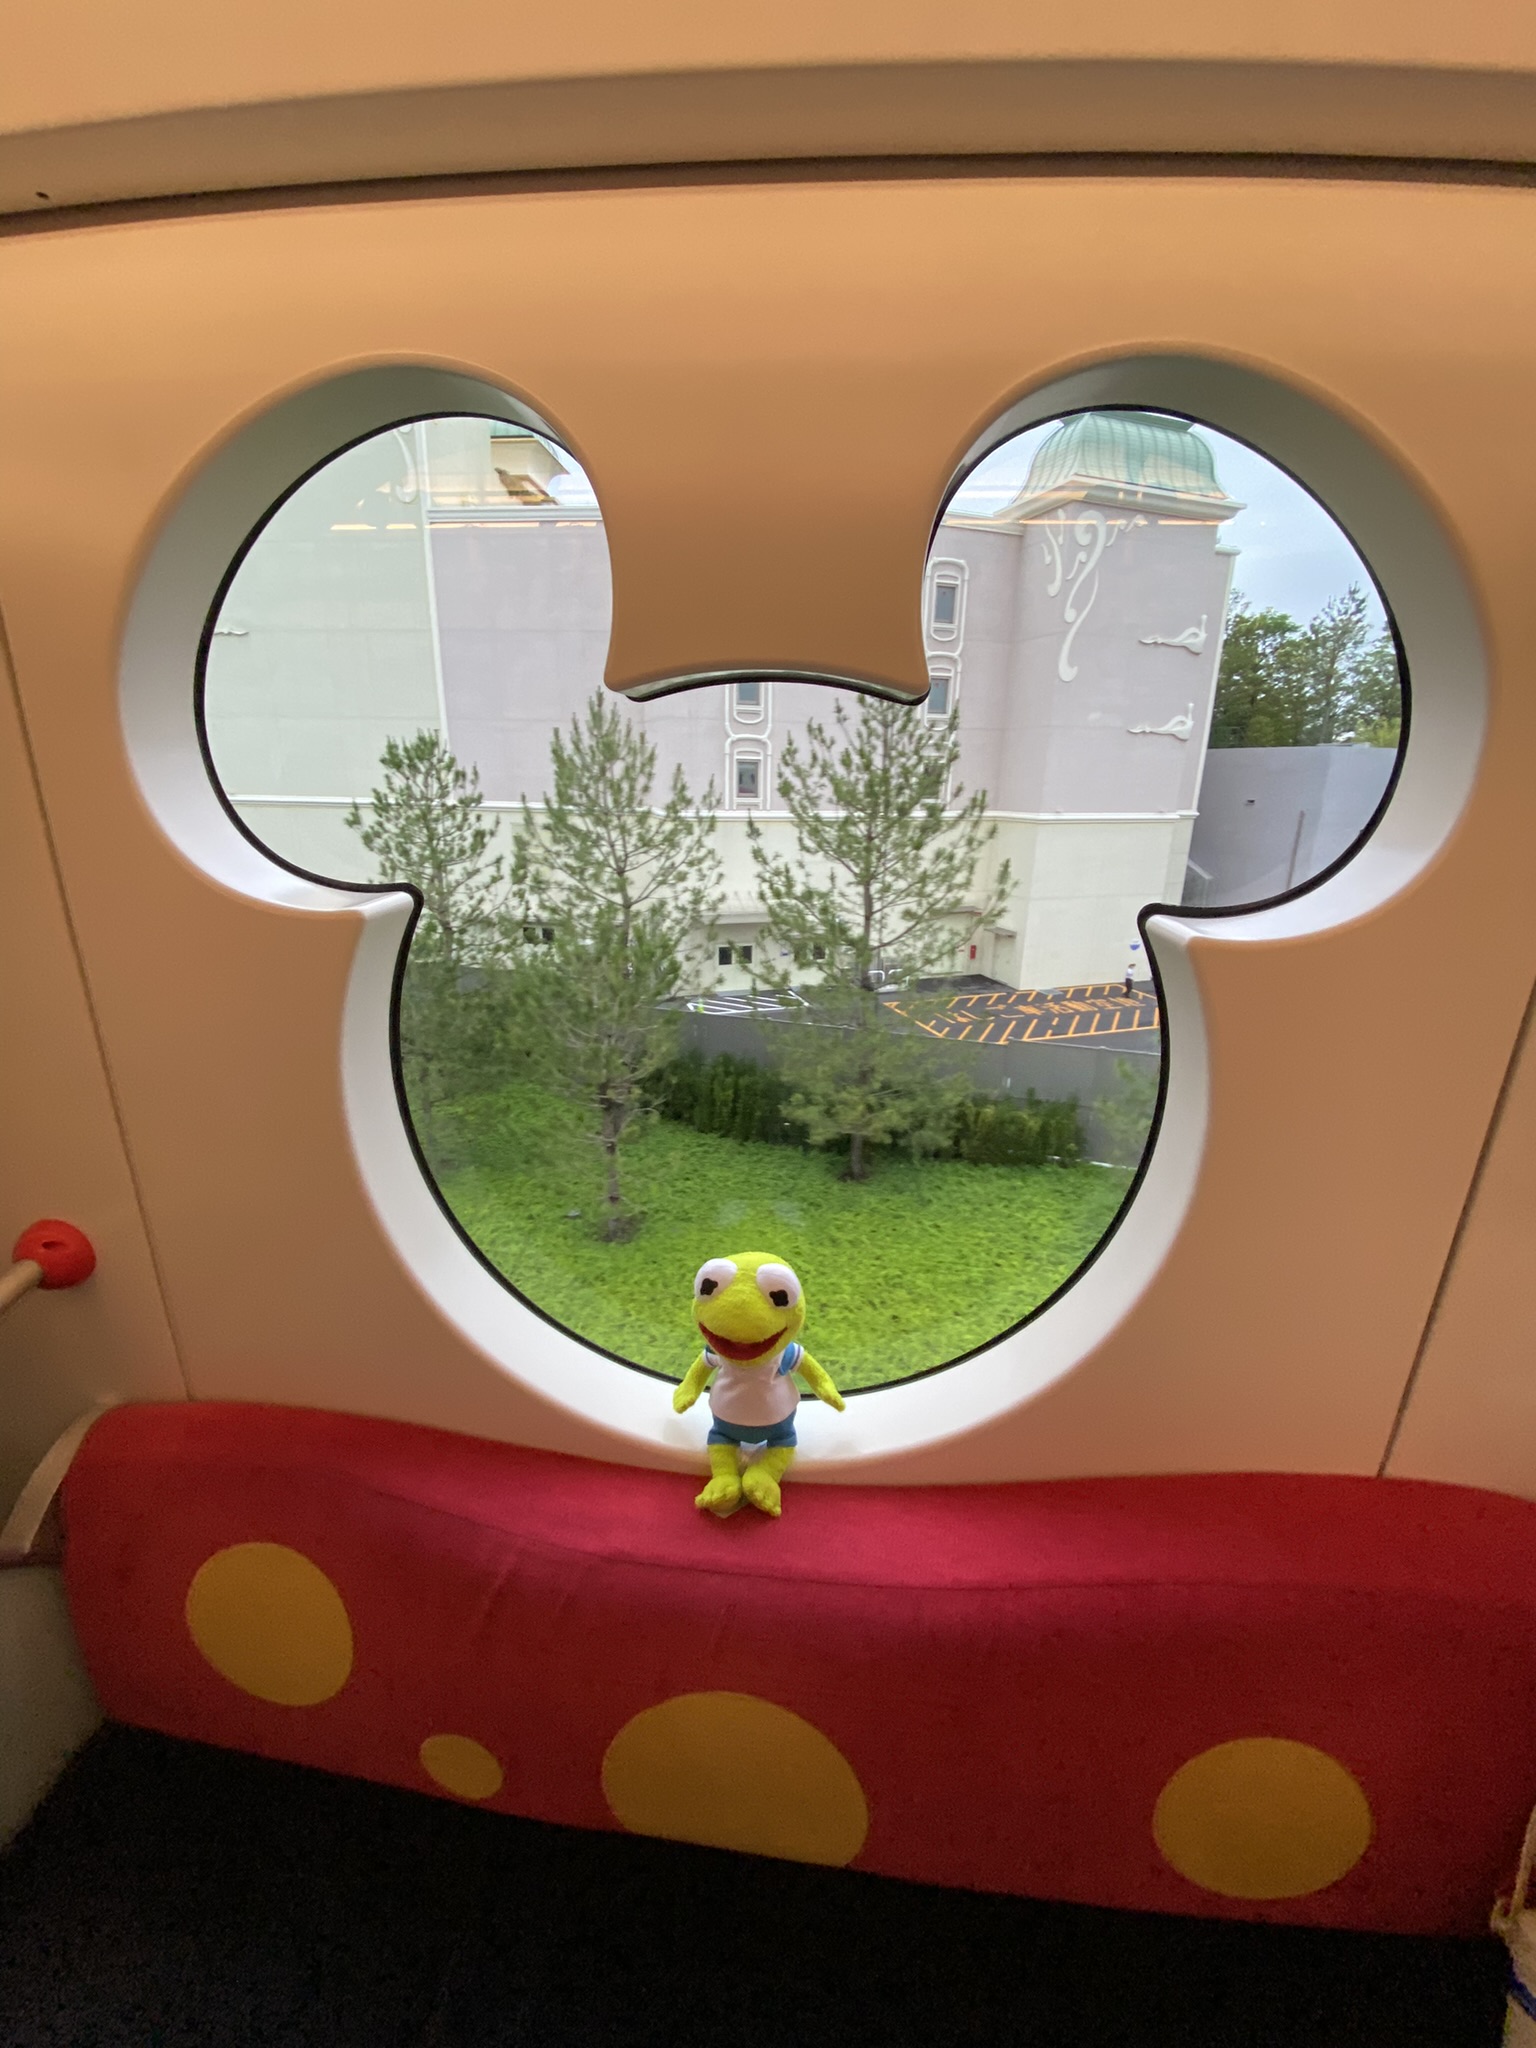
(864, 985)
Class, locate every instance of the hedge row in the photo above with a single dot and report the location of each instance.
(730, 1097)
(726, 1097)
(1000, 1131)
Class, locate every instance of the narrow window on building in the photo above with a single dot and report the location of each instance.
(744, 955)
(749, 699)
(724, 955)
(749, 779)
(940, 685)
(946, 605)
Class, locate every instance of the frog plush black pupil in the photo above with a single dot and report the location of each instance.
(780, 1297)
(708, 1286)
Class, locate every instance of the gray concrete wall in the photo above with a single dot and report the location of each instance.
(324, 645)
(1272, 817)
(1091, 1074)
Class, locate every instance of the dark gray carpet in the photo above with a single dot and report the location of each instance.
(170, 1894)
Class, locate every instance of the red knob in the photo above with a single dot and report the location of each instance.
(65, 1254)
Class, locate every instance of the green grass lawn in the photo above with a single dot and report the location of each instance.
(908, 1270)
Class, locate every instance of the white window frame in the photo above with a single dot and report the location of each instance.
(946, 666)
(946, 571)
(753, 749)
(750, 714)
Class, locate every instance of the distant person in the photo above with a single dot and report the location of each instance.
(1129, 981)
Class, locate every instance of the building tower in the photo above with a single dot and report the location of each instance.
(1076, 634)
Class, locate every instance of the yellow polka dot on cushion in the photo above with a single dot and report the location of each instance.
(735, 1772)
(461, 1766)
(1262, 1818)
(271, 1622)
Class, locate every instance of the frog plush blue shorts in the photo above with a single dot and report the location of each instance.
(775, 1435)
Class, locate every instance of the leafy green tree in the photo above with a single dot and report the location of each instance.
(623, 887)
(425, 824)
(1260, 694)
(883, 880)
(1331, 681)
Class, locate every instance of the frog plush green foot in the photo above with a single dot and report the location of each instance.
(750, 1310)
(760, 1482)
(723, 1494)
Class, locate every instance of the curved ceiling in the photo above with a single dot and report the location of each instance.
(166, 99)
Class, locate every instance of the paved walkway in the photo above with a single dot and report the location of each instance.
(1098, 1010)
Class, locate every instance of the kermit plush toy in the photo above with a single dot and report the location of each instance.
(750, 1311)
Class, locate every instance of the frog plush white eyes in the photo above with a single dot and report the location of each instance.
(750, 1309)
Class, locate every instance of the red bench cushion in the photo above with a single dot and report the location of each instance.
(1301, 1698)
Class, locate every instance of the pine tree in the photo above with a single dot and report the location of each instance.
(426, 825)
(623, 888)
(884, 878)
(1345, 664)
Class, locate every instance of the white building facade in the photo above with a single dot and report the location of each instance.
(433, 577)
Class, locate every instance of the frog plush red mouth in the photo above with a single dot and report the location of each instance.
(740, 1354)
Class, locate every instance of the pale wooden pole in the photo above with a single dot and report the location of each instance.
(19, 1280)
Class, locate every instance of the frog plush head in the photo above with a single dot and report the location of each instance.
(748, 1307)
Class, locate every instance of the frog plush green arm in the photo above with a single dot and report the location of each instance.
(819, 1380)
(693, 1383)
(750, 1310)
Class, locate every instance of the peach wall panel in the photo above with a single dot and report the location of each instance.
(771, 398)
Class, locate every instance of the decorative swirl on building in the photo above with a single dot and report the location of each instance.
(1050, 544)
(1193, 637)
(1178, 728)
(1091, 532)
(406, 493)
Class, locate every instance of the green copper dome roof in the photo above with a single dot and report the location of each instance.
(1141, 451)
